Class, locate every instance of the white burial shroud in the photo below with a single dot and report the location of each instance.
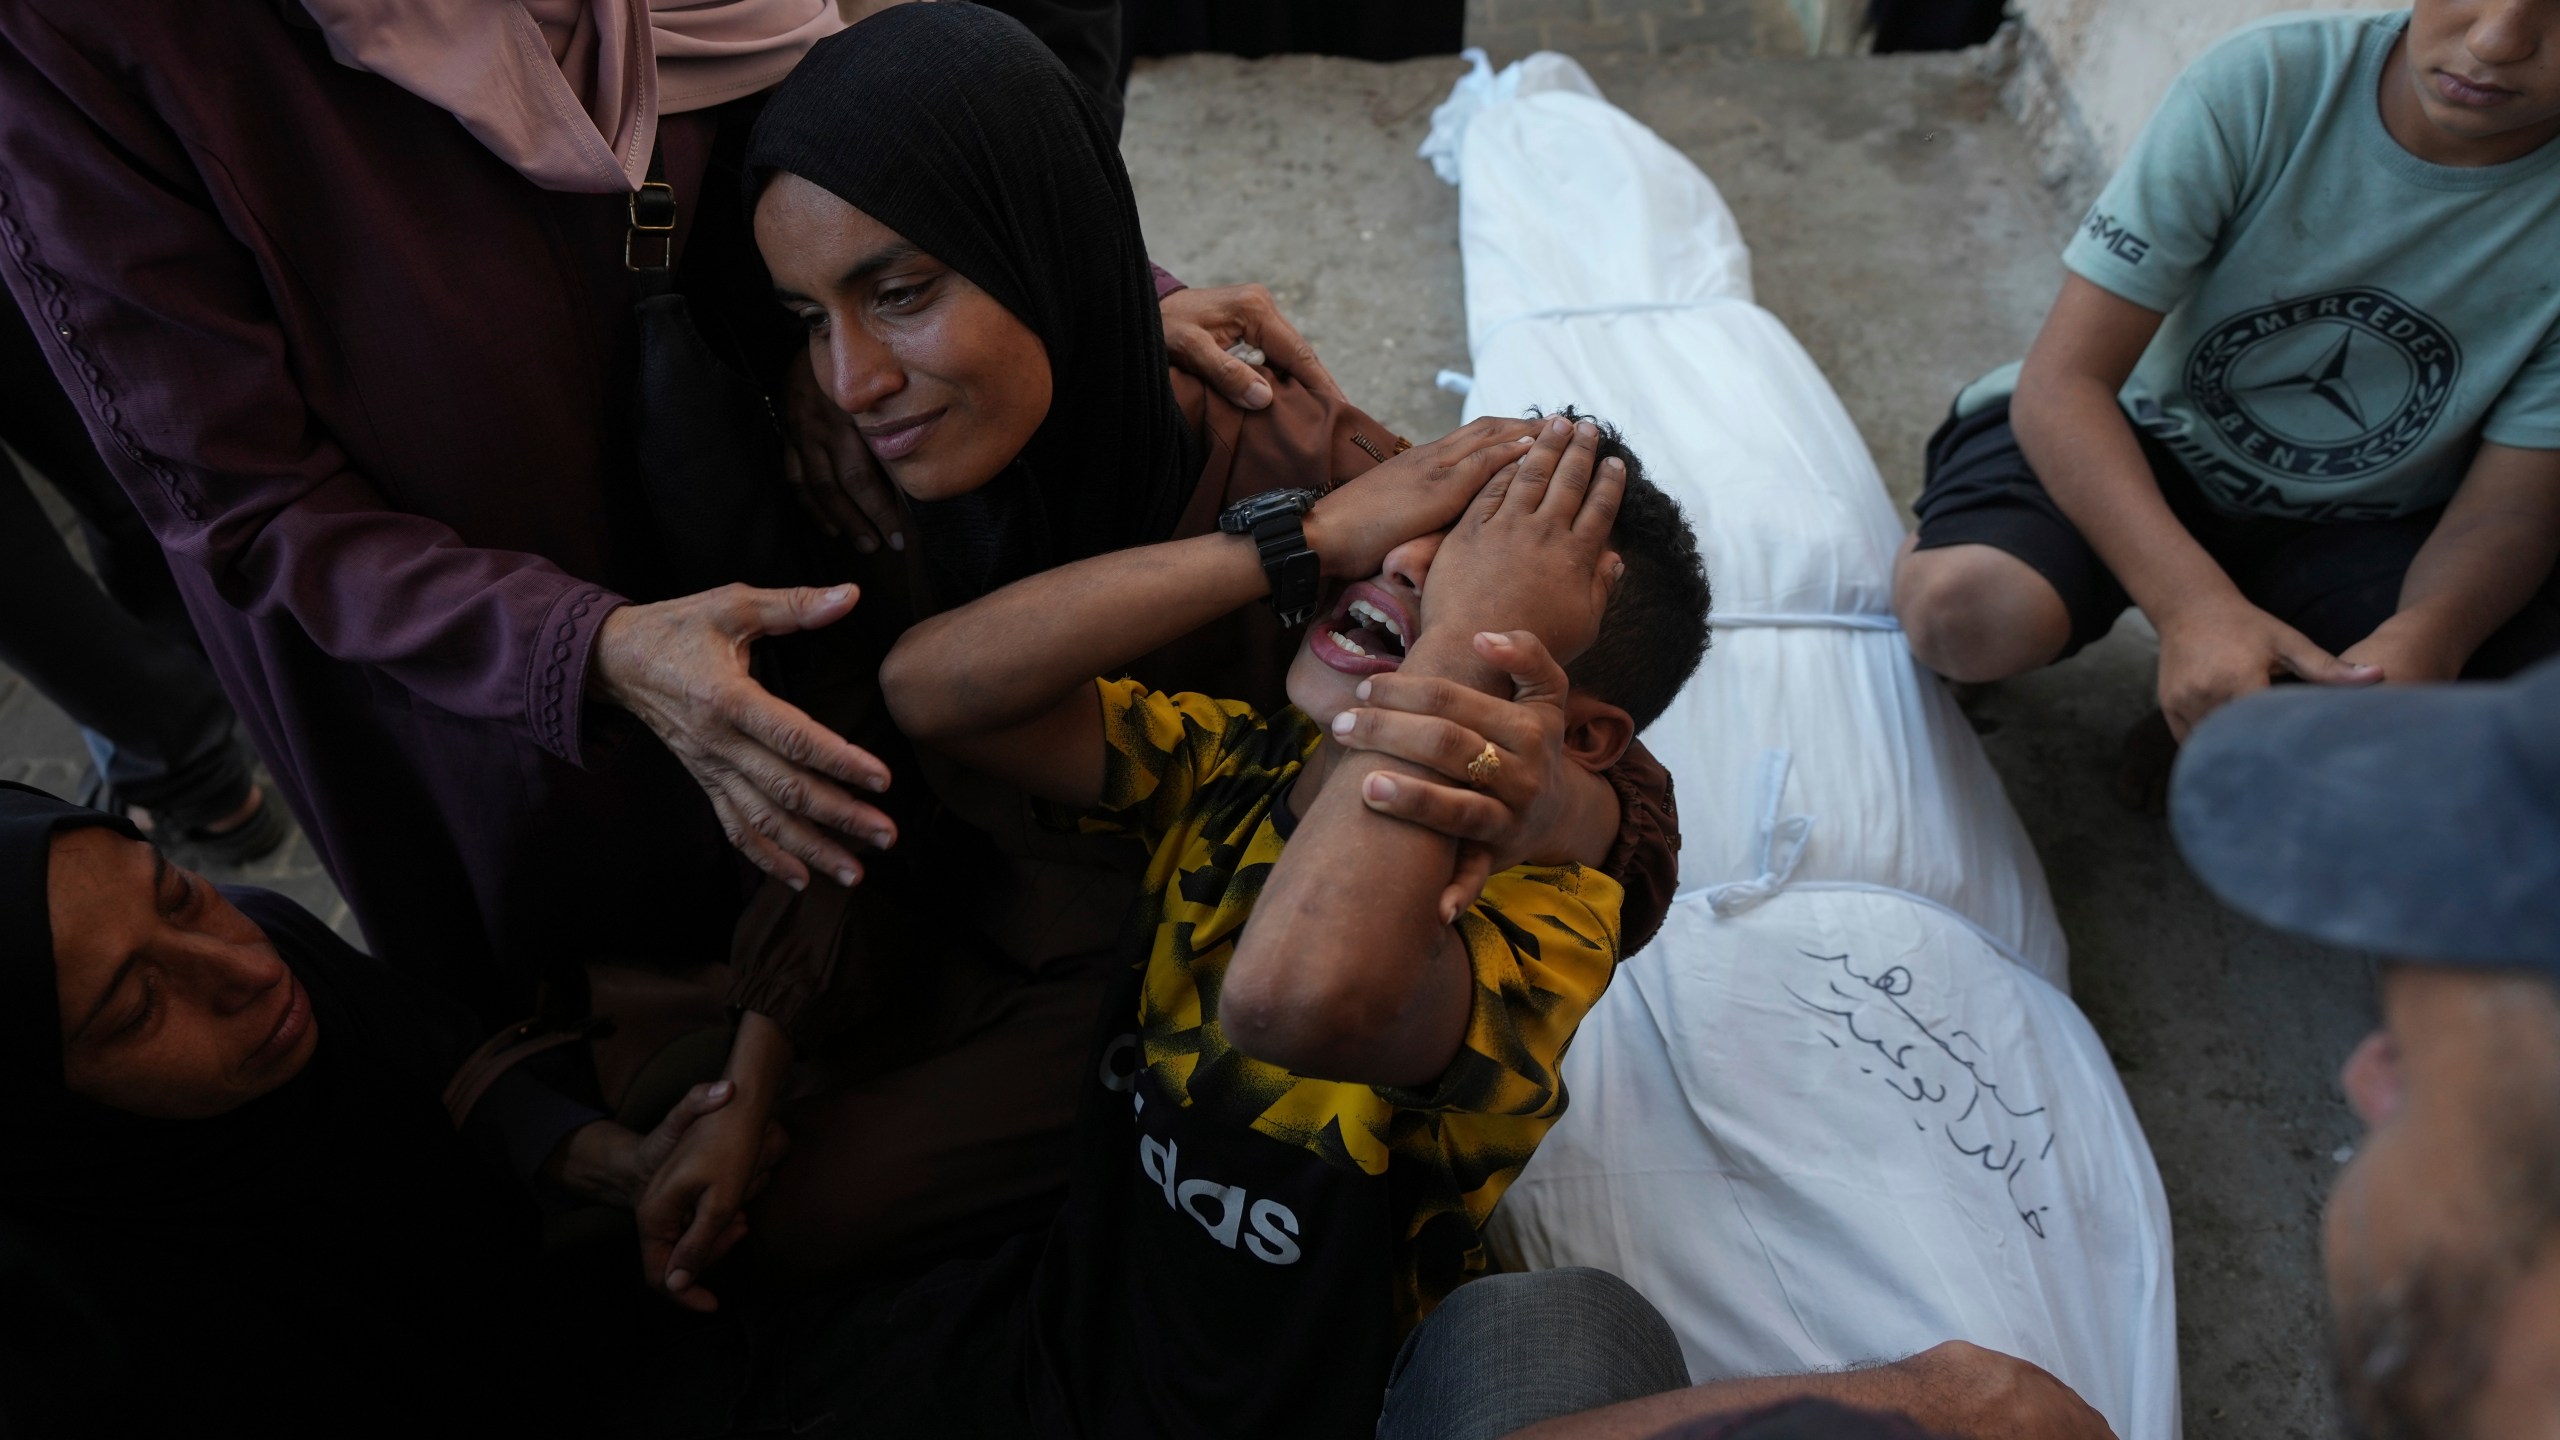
(1843, 1108)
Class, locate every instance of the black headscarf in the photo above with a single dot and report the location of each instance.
(375, 1069)
(336, 1226)
(952, 126)
(30, 1023)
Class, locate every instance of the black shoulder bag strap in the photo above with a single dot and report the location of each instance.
(710, 452)
(649, 246)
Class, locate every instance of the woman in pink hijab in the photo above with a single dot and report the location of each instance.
(345, 291)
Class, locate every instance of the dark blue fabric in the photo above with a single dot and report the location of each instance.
(30, 1008)
(2421, 822)
(2334, 581)
(1508, 1351)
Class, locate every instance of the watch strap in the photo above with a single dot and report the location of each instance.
(1290, 566)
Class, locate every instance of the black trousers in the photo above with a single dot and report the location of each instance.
(2334, 581)
(117, 651)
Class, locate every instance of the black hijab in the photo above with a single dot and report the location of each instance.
(372, 1085)
(336, 1225)
(951, 125)
(30, 1023)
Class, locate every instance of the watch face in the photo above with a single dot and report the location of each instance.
(1252, 510)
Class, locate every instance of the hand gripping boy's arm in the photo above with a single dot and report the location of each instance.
(1349, 969)
(1005, 684)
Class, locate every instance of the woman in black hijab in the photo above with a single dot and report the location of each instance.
(947, 212)
(952, 127)
(236, 1200)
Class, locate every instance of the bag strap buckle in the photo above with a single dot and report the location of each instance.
(653, 219)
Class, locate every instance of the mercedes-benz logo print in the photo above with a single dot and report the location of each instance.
(2328, 387)
(2327, 380)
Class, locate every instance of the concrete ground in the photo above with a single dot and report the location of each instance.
(1897, 226)
(40, 746)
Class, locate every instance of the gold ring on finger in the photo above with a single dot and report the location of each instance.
(1482, 769)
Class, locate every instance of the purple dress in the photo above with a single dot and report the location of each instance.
(370, 388)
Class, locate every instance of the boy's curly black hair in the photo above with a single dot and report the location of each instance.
(1654, 632)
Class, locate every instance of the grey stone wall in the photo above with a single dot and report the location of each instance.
(1509, 29)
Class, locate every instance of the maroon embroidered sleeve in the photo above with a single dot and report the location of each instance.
(155, 308)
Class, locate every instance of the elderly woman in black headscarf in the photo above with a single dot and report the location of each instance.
(237, 1202)
(947, 214)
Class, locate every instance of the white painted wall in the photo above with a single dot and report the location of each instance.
(2114, 59)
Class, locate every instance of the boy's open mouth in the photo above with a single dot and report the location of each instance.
(1365, 634)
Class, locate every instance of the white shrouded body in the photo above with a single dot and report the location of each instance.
(1843, 1108)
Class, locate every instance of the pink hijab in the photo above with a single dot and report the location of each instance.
(569, 91)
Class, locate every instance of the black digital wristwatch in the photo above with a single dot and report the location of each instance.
(1276, 519)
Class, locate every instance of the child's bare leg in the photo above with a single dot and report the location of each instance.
(1975, 613)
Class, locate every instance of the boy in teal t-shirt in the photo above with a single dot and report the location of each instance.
(2300, 396)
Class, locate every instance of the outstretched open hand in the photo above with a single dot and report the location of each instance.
(771, 771)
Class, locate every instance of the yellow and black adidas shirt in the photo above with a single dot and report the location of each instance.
(1244, 1247)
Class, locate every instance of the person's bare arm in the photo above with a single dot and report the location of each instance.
(2214, 645)
(1360, 979)
(2488, 555)
(1348, 969)
(1005, 683)
(1957, 1390)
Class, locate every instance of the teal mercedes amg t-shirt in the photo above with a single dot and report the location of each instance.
(2345, 321)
